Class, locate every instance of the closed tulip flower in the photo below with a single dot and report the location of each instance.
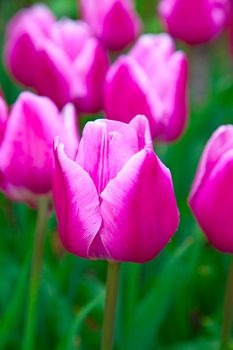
(26, 156)
(116, 200)
(114, 22)
(212, 191)
(150, 80)
(194, 22)
(25, 31)
(66, 64)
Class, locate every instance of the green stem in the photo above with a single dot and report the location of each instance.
(34, 283)
(110, 306)
(228, 311)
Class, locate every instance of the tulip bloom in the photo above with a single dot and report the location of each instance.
(194, 22)
(114, 22)
(26, 157)
(150, 80)
(63, 60)
(212, 190)
(116, 200)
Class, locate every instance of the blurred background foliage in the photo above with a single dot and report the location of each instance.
(173, 302)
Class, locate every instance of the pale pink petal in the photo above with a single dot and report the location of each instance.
(76, 203)
(70, 36)
(71, 132)
(141, 126)
(139, 210)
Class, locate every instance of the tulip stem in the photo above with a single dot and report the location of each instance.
(110, 306)
(36, 265)
(228, 312)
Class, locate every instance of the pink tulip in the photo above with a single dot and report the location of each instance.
(3, 117)
(194, 22)
(26, 30)
(65, 62)
(116, 200)
(150, 80)
(212, 190)
(26, 157)
(114, 22)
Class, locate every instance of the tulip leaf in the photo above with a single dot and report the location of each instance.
(156, 302)
(76, 324)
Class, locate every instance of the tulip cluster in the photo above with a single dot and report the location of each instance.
(113, 197)
(59, 59)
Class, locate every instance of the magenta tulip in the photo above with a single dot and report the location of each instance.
(26, 157)
(150, 80)
(64, 62)
(114, 22)
(26, 30)
(194, 22)
(116, 200)
(212, 190)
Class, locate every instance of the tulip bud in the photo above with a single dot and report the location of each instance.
(114, 22)
(194, 22)
(212, 190)
(26, 157)
(116, 200)
(150, 80)
(65, 62)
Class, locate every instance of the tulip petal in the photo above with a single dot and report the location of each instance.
(194, 24)
(128, 92)
(70, 36)
(71, 134)
(139, 210)
(104, 149)
(167, 71)
(77, 204)
(55, 76)
(90, 68)
(3, 117)
(220, 142)
(114, 36)
(24, 33)
(213, 206)
(176, 101)
(141, 126)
